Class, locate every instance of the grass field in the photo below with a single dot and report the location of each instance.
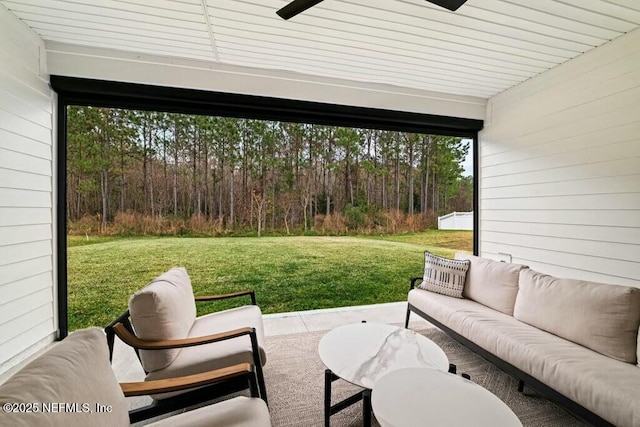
(287, 273)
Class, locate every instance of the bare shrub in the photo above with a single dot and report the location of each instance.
(356, 220)
(125, 223)
(87, 225)
(199, 224)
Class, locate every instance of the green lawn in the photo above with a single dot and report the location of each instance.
(287, 273)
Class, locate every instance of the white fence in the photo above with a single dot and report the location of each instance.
(456, 221)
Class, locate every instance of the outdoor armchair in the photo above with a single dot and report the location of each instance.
(170, 341)
(73, 384)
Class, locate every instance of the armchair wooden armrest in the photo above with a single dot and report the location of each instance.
(190, 381)
(249, 292)
(413, 282)
(130, 339)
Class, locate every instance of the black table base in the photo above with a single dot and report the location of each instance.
(329, 409)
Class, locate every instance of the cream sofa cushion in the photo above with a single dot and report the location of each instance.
(76, 370)
(165, 309)
(491, 283)
(603, 385)
(604, 318)
(238, 412)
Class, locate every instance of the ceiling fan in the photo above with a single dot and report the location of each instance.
(297, 6)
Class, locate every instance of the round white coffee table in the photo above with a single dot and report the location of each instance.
(362, 353)
(417, 397)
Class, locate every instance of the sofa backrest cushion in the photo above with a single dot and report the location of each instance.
(604, 318)
(491, 283)
(70, 379)
(165, 309)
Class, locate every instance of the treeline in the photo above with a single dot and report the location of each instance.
(154, 172)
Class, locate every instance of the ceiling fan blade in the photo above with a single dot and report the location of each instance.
(295, 7)
(448, 4)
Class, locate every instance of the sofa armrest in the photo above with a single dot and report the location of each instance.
(186, 382)
(413, 282)
(249, 292)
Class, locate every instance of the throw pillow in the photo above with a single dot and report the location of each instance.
(443, 275)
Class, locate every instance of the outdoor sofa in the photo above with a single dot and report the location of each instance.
(574, 341)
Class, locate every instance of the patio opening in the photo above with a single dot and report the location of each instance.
(342, 212)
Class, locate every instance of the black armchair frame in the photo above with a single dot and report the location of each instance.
(254, 379)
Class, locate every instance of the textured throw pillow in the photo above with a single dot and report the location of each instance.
(443, 275)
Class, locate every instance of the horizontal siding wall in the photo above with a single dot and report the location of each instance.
(560, 168)
(26, 216)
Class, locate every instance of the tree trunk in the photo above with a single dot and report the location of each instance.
(151, 192)
(273, 201)
(195, 190)
(397, 189)
(175, 169)
(205, 176)
(231, 197)
(165, 207)
(104, 188)
(410, 176)
(426, 177)
(122, 179)
(144, 168)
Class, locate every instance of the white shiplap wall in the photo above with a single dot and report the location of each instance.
(110, 64)
(560, 168)
(26, 216)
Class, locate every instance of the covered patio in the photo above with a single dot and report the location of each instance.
(553, 85)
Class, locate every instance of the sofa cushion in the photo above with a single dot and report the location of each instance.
(464, 316)
(165, 309)
(604, 318)
(74, 371)
(638, 349)
(601, 384)
(443, 275)
(492, 283)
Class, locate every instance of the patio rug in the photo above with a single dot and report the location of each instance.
(295, 384)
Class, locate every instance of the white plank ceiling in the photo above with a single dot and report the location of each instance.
(485, 47)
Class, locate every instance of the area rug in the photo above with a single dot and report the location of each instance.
(295, 384)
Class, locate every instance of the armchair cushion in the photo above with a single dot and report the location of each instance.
(163, 310)
(74, 371)
(192, 360)
(238, 412)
